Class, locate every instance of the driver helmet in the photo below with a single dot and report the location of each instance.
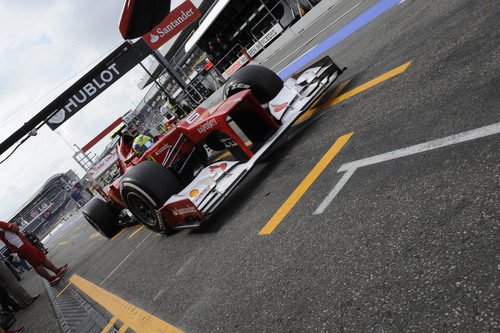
(141, 144)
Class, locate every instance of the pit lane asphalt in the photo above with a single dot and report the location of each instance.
(407, 245)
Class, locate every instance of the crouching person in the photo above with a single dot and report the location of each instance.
(17, 243)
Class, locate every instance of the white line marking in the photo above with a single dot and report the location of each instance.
(415, 149)
(78, 256)
(321, 208)
(183, 267)
(159, 294)
(430, 145)
(300, 47)
(125, 259)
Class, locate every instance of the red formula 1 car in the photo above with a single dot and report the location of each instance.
(177, 183)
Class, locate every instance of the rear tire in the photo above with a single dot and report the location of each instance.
(145, 188)
(102, 217)
(263, 82)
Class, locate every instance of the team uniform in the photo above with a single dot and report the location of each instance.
(17, 243)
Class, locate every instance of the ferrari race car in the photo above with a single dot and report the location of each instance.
(179, 181)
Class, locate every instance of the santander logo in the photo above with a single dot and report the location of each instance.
(280, 107)
(154, 38)
(172, 24)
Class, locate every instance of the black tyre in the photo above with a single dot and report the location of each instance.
(145, 188)
(102, 217)
(264, 83)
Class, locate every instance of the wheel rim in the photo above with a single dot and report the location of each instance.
(91, 221)
(142, 209)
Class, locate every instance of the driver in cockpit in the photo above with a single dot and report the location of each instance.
(141, 144)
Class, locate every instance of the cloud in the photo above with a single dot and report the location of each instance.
(44, 43)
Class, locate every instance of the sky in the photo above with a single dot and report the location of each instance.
(45, 46)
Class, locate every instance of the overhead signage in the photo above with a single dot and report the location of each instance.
(242, 60)
(96, 81)
(270, 34)
(253, 50)
(172, 24)
(107, 162)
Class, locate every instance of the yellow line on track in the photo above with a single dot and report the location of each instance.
(134, 318)
(63, 290)
(369, 84)
(66, 242)
(109, 325)
(135, 232)
(311, 177)
(119, 233)
(334, 99)
(304, 185)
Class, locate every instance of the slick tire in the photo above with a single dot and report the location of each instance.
(145, 188)
(263, 82)
(102, 217)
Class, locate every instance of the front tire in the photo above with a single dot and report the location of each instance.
(101, 217)
(263, 82)
(145, 188)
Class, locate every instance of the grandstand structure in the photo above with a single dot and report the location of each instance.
(48, 204)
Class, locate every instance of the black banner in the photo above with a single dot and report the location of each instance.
(103, 75)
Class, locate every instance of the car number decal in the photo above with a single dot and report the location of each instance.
(192, 117)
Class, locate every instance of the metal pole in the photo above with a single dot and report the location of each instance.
(67, 143)
(170, 69)
(162, 88)
(193, 86)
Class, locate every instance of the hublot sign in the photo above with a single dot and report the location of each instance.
(96, 81)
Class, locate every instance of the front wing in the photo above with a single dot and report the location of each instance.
(199, 199)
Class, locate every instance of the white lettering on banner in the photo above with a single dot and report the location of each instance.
(103, 165)
(113, 68)
(268, 36)
(174, 23)
(71, 103)
(82, 95)
(97, 83)
(254, 49)
(109, 74)
(207, 126)
(235, 66)
(89, 89)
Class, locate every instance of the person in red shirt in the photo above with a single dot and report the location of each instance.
(17, 243)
